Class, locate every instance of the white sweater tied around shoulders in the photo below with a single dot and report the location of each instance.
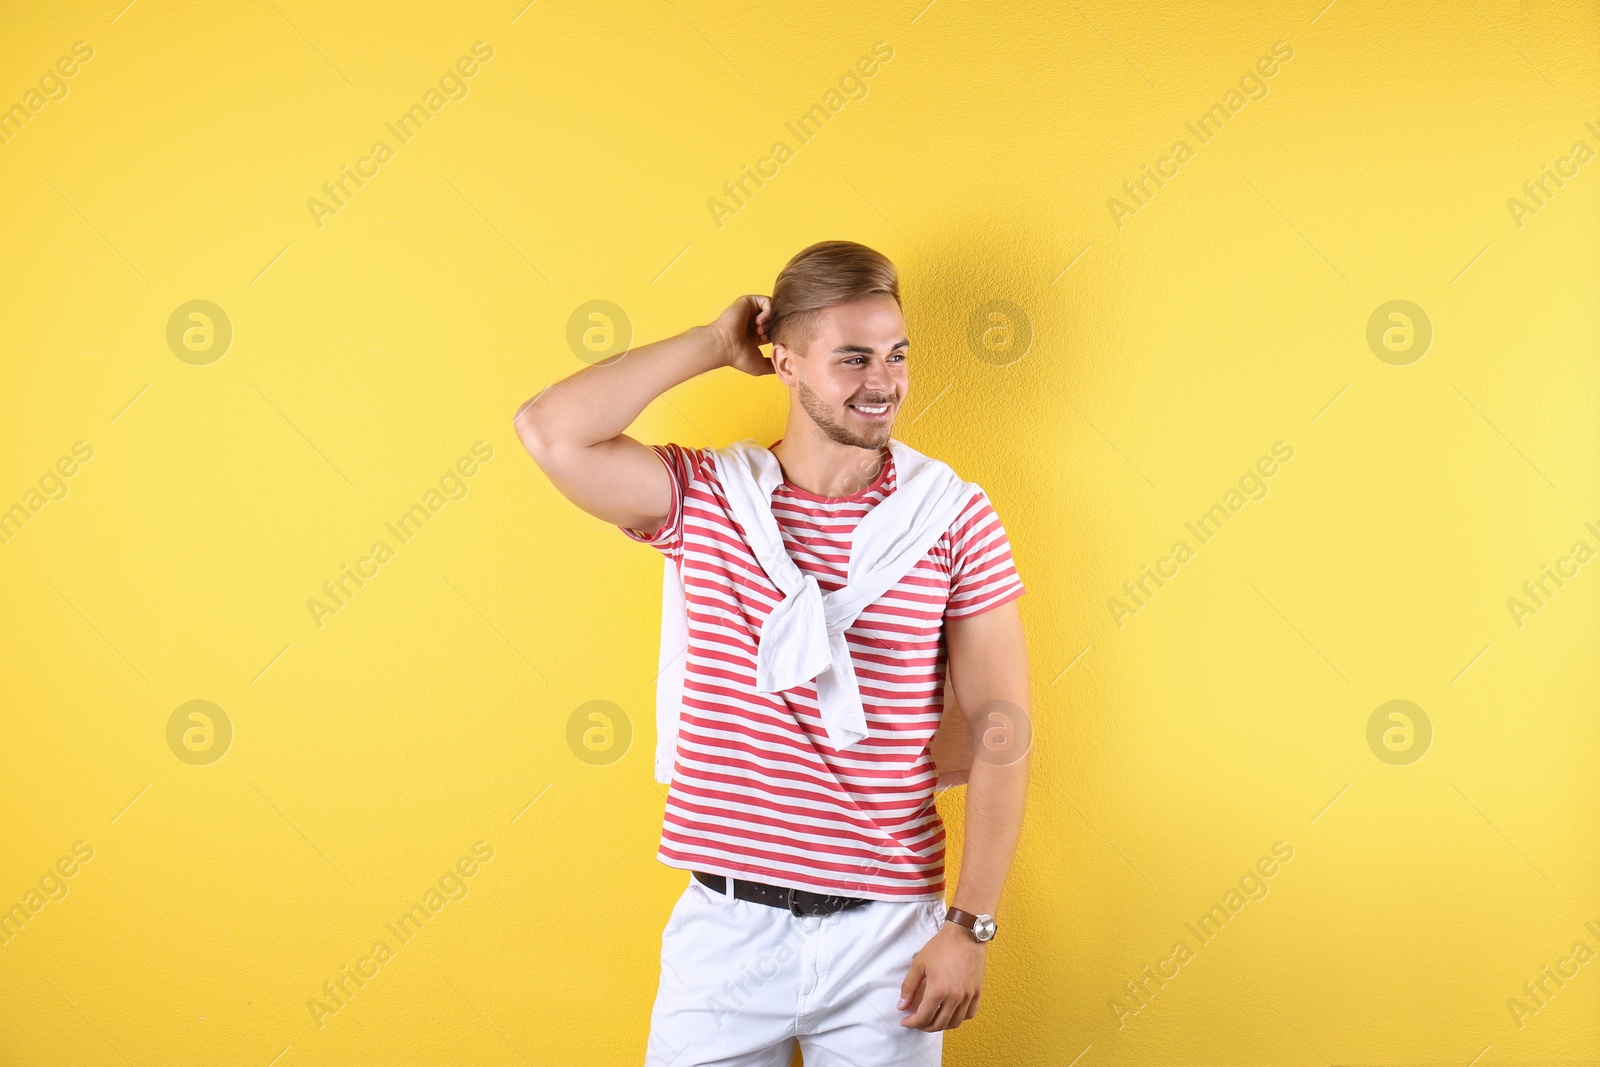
(803, 637)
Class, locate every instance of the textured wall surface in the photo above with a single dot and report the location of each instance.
(1271, 331)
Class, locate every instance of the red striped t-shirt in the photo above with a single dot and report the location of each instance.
(757, 791)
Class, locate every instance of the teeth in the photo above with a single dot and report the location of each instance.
(878, 409)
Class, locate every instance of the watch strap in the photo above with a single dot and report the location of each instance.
(971, 922)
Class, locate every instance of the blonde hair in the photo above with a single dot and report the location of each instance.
(821, 276)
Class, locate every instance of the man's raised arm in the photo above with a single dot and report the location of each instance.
(573, 428)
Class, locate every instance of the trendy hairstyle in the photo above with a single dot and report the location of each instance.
(821, 276)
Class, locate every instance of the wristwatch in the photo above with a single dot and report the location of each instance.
(982, 926)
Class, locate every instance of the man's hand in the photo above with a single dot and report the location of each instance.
(941, 988)
(742, 330)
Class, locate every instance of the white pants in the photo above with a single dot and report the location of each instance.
(741, 982)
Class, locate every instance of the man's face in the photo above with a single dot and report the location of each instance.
(856, 362)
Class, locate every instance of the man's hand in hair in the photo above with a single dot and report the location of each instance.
(743, 330)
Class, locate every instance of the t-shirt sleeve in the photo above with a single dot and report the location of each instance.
(983, 575)
(683, 466)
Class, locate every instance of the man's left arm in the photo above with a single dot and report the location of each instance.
(987, 658)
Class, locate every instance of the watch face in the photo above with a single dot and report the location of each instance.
(983, 928)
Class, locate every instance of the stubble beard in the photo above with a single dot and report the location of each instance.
(871, 437)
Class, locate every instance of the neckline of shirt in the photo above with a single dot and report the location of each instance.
(859, 495)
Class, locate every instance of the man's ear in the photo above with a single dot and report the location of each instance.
(783, 362)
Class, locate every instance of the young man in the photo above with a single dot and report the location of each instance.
(815, 909)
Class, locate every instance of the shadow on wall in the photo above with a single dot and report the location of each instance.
(992, 312)
(999, 318)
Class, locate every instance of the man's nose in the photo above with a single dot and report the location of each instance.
(880, 382)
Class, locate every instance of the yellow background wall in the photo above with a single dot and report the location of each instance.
(1141, 364)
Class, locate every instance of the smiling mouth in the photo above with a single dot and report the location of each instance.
(871, 411)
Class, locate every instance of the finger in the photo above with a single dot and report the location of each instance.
(935, 1003)
(972, 1007)
(947, 1016)
(920, 1008)
(910, 991)
(922, 1018)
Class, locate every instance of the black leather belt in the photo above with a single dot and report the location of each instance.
(795, 901)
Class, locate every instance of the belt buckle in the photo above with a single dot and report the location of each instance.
(789, 902)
